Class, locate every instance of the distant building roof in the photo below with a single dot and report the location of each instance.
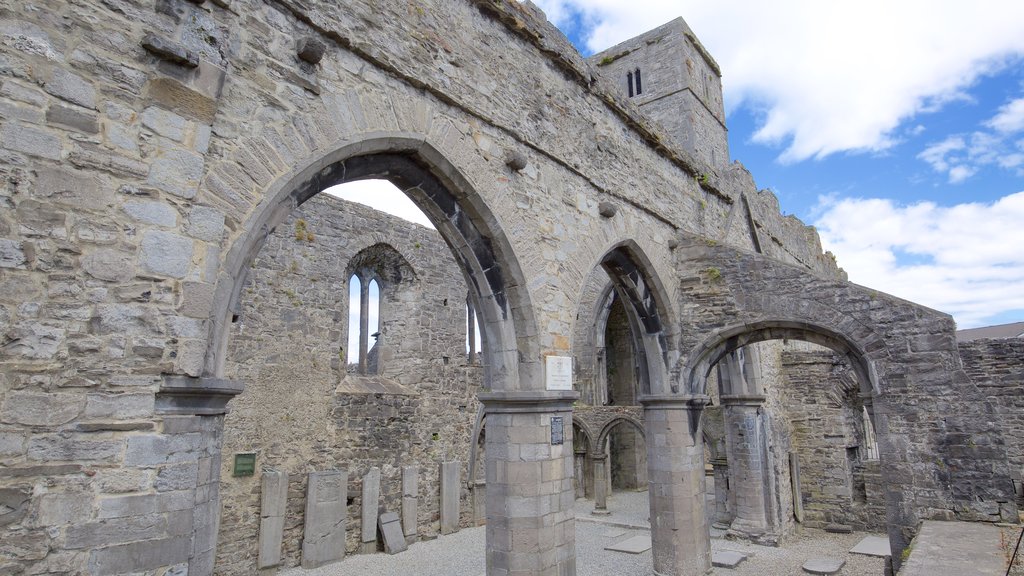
(1012, 330)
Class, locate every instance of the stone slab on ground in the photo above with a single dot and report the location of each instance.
(613, 533)
(727, 558)
(450, 492)
(873, 546)
(823, 566)
(956, 548)
(323, 537)
(391, 531)
(634, 545)
(273, 504)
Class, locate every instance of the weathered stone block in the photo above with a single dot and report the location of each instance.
(182, 476)
(156, 449)
(165, 123)
(175, 96)
(72, 188)
(205, 223)
(140, 505)
(34, 341)
(30, 141)
(72, 118)
(140, 556)
(119, 406)
(58, 508)
(14, 503)
(165, 253)
(391, 532)
(40, 409)
(71, 87)
(74, 448)
(12, 254)
(176, 171)
(12, 443)
(311, 49)
(196, 299)
(151, 212)
(170, 51)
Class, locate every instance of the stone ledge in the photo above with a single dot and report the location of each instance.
(528, 401)
(196, 396)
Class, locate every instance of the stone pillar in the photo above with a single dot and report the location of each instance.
(273, 504)
(410, 501)
(364, 324)
(600, 485)
(680, 536)
(371, 500)
(479, 502)
(745, 447)
(530, 525)
(723, 515)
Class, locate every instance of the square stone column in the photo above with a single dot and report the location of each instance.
(530, 497)
(747, 466)
(680, 536)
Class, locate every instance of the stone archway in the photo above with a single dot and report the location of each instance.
(680, 545)
(905, 358)
(494, 279)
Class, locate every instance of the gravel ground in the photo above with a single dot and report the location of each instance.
(462, 553)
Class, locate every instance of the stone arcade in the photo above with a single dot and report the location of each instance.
(158, 258)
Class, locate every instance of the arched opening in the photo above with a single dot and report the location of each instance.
(394, 432)
(626, 451)
(796, 402)
(583, 485)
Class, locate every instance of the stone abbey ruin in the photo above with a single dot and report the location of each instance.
(175, 390)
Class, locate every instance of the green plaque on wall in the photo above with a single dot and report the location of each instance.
(245, 464)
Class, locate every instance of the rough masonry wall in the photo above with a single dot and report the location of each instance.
(997, 367)
(302, 412)
(824, 411)
(144, 144)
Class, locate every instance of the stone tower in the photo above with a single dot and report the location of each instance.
(669, 75)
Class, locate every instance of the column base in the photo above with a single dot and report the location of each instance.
(597, 512)
(759, 536)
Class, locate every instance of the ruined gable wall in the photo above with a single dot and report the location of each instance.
(997, 367)
(296, 414)
(823, 410)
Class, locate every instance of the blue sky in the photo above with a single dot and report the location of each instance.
(895, 128)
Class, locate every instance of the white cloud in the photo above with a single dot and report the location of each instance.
(1010, 118)
(960, 156)
(828, 76)
(936, 153)
(965, 259)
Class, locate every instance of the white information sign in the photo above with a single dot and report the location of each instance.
(558, 373)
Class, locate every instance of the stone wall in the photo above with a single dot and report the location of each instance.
(822, 401)
(302, 411)
(147, 148)
(997, 366)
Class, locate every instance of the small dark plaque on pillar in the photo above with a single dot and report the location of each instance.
(245, 464)
(557, 430)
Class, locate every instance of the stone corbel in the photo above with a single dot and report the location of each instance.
(196, 396)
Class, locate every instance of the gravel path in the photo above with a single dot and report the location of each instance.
(462, 553)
